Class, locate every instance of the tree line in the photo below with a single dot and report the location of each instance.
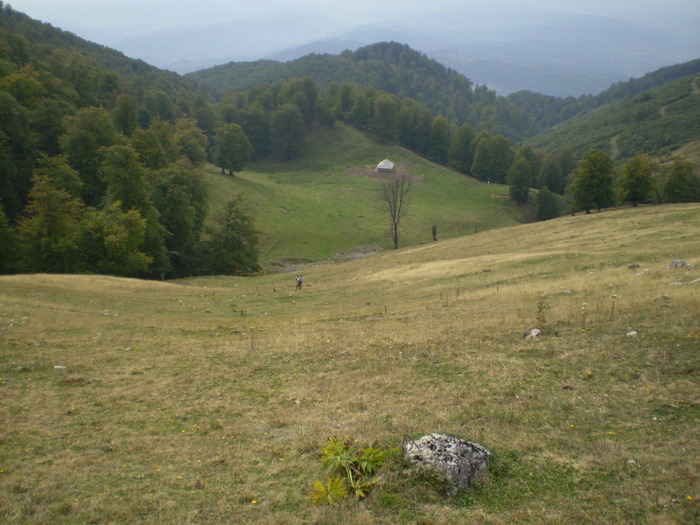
(102, 172)
(389, 67)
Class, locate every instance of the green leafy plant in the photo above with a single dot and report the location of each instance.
(333, 492)
(350, 470)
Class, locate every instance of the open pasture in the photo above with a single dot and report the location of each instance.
(206, 400)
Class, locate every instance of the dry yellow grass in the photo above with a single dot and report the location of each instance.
(207, 400)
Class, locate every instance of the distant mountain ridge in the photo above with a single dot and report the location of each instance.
(554, 53)
(393, 67)
(404, 72)
(386, 66)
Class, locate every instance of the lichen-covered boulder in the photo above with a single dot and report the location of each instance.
(458, 460)
(677, 263)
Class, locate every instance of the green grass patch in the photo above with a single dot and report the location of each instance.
(326, 203)
(208, 400)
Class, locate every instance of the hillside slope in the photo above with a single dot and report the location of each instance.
(548, 111)
(326, 203)
(38, 33)
(657, 121)
(139, 401)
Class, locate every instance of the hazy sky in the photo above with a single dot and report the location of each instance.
(146, 28)
(120, 18)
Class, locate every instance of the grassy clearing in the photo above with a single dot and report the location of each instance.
(326, 202)
(207, 400)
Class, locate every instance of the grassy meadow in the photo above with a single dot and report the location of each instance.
(207, 400)
(325, 204)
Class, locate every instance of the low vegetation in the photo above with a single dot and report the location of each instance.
(334, 183)
(209, 400)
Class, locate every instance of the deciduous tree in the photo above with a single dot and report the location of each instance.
(461, 153)
(519, 177)
(233, 240)
(149, 149)
(385, 117)
(547, 205)
(592, 181)
(17, 151)
(110, 242)
(191, 141)
(440, 140)
(550, 175)
(636, 183)
(86, 132)
(179, 194)
(681, 185)
(393, 196)
(125, 115)
(8, 241)
(232, 149)
(287, 130)
(48, 231)
(492, 158)
(126, 183)
(61, 175)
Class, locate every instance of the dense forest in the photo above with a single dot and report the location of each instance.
(390, 67)
(101, 155)
(100, 158)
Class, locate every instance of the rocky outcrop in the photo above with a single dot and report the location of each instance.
(459, 461)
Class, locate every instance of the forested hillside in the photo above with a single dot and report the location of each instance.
(546, 111)
(655, 120)
(102, 157)
(391, 67)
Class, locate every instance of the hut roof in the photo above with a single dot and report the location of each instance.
(385, 165)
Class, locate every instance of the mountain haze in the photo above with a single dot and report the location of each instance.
(94, 130)
(551, 52)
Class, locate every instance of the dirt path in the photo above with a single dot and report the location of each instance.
(696, 85)
(614, 149)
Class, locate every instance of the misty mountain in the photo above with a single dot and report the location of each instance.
(549, 52)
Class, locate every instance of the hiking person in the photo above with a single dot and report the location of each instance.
(300, 281)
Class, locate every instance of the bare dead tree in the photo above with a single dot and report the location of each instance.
(393, 196)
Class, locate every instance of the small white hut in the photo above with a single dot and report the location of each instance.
(385, 166)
